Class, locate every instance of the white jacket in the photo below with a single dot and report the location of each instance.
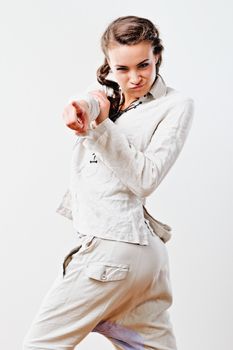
(115, 166)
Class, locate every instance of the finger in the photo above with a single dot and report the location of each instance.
(79, 113)
(76, 106)
(75, 124)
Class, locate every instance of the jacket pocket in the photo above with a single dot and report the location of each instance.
(105, 272)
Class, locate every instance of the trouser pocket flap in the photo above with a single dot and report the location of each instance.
(106, 271)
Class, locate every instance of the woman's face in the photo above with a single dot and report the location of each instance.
(133, 68)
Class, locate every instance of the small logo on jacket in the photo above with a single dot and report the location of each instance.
(94, 158)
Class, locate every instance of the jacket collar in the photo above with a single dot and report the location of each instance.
(158, 88)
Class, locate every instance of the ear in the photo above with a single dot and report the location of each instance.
(156, 57)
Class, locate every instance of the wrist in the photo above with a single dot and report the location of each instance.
(99, 120)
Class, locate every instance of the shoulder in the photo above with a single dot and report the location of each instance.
(176, 105)
(176, 110)
(175, 97)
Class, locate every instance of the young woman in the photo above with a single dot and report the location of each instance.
(130, 131)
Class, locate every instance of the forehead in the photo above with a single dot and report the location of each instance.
(129, 55)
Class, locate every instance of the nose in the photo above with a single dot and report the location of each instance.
(135, 78)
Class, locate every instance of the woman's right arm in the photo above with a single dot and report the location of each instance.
(85, 106)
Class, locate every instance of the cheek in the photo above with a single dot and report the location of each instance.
(121, 78)
(150, 74)
(150, 71)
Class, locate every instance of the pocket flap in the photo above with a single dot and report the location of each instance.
(106, 271)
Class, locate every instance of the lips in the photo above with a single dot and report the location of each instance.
(137, 87)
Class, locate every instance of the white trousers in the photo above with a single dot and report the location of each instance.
(119, 289)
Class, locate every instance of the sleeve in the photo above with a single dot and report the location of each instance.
(142, 172)
(92, 102)
(65, 206)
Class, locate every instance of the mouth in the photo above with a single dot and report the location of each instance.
(137, 87)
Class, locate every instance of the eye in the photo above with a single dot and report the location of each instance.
(144, 65)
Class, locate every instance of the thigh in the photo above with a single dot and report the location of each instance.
(145, 323)
(96, 282)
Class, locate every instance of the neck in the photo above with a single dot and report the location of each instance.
(127, 103)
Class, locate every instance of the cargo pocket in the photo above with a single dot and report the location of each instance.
(105, 272)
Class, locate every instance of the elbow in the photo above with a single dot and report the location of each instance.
(145, 190)
(151, 180)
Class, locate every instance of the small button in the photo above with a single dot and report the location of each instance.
(103, 276)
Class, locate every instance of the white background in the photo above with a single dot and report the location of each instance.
(50, 50)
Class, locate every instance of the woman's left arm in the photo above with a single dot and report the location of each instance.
(142, 172)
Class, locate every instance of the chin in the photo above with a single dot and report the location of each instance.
(141, 93)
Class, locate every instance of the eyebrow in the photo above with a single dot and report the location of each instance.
(118, 65)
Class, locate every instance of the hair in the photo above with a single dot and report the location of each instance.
(126, 30)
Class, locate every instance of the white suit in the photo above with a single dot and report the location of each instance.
(116, 280)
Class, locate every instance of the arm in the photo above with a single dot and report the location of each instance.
(87, 110)
(89, 101)
(142, 172)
